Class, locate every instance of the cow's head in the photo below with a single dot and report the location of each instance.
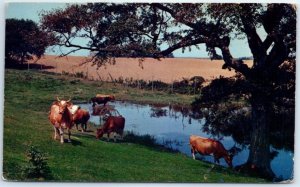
(112, 98)
(99, 133)
(231, 153)
(63, 105)
(228, 158)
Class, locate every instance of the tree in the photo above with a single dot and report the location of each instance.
(23, 40)
(158, 29)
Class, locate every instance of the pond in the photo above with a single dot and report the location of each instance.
(172, 128)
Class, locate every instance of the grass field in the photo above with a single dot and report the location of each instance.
(28, 96)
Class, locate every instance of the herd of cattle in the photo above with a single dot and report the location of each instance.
(64, 114)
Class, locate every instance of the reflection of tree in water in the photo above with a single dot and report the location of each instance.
(158, 112)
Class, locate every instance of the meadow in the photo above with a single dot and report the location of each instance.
(28, 96)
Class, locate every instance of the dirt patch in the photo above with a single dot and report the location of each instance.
(166, 70)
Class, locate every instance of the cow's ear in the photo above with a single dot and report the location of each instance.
(69, 104)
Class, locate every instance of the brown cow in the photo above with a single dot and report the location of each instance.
(113, 124)
(102, 99)
(81, 116)
(61, 118)
(206, 146)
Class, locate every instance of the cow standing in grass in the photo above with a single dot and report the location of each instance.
(102, 99)
(81, 116)
(114, 124)
(207, 146)
(60, 117)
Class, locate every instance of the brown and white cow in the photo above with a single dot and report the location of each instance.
(61, 118)
(207, 146)
(114, 124)
(102, 99)
(81, 116)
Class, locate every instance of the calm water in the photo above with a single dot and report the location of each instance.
(172, 129)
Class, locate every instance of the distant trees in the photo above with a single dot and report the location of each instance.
(24, 40)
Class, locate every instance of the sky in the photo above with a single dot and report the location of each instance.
(31, 10)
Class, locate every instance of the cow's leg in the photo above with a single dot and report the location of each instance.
(61, 134)
(115, 138)
(108, 133)
(216, 158)
(76, 126)
(55, 132)
(69, 135)
(85, 127)
(193, 153)
(122, 135)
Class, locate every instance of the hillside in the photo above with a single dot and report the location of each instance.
(87, 159)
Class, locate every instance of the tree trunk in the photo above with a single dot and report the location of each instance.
(259, 159)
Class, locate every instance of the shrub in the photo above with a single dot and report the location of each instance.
(37, 167)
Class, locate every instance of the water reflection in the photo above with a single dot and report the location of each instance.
(171, 126)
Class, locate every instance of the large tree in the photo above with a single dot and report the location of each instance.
(23, 40)
(157, 29)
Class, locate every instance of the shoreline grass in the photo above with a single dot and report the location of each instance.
(28, 96)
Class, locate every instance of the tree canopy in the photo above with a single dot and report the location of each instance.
(158, 29)
(23, 40)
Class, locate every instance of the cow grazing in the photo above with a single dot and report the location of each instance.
(206, 146)
(102, 99)
(114, 124)
(61, 118)
(81, 116)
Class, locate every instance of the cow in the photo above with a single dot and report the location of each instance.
(207, 146)
(102, 99)
(81, 116)
(61, 118)
(114, 124)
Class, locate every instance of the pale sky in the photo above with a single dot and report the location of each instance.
(31, 10)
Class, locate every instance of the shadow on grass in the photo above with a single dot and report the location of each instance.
(146, 140)
(75, 142)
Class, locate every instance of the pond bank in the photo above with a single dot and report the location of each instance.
(86, 159)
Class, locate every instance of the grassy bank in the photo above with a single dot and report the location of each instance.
(27, 100)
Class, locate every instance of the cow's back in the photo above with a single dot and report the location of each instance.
(204, 146)
(115, 123)
(81, 116)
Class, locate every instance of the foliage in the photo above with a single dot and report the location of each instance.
(23, 40)
(37, 166)
(129, 29)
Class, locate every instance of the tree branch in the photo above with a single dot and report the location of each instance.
(186, 41)
(230, 62)
(255, 44)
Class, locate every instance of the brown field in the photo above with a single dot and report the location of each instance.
(166, 70)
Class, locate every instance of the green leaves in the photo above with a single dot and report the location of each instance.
(37, 167)
(24, 39)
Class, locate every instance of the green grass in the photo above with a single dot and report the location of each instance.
(28, 97)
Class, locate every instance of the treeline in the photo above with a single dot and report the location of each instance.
(190, 86)
(185, 86)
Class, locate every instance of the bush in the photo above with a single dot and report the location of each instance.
(79, 75)
(37, 167)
